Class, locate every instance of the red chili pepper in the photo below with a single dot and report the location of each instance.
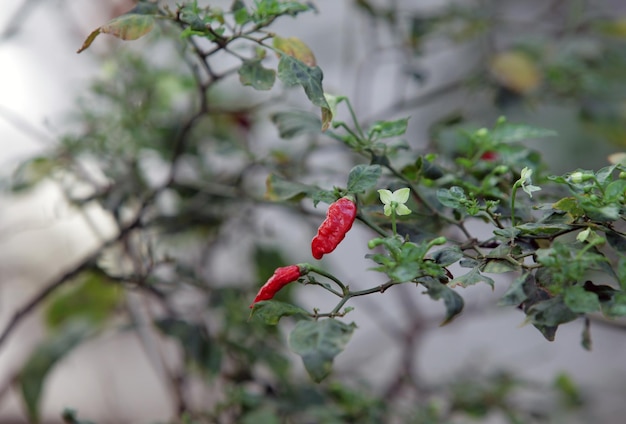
(339, 219)
(282, 276)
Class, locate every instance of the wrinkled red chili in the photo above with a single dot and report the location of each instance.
(339, 219)
(281, 277)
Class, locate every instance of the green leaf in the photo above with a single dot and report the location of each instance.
(570, 393)
(292, 124)
(271, 311)
(94, 299)
(292, 72)
(570, 205)
(586, 335)
(471, 278)
(452, 197)
(510, 133)
(519, 290)
(69, 417)
(621, 272)
(498, 266)
(541, 229)
(30, 173)
(240, 12)
(363, 177)
(254, 74)
(616, 306)
(280, 189)
(388, 129)
(453, 301)
(263, 415)
(47, 354)
(580, 300)
(614, 191)
(195, 341)
(447, 256)
(318, 343)
(551, 312)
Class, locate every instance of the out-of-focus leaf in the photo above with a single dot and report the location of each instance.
(580, 300)
(613, 27)
(292, 124)
(279, 189)
(515, 71)
(451, 197)
(512, 133)
(318, 342)
(129, 26)
(363, 178)
(69, 417)
(240, 12)
(550, 312)
(32, 172)
(254, 74)
(292, 72)
(271, 311)
(296, 48)
(388, 129)
(519, 290)
(34, 373)
(197, 345)
(93, 299)
(615, 306)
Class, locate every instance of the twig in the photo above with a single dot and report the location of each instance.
(29, 306)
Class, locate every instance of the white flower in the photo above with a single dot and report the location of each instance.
(395, 201)
(526, 183)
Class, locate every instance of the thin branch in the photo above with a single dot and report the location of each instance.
(51, 287)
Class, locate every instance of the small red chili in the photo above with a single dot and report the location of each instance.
(339, 218)
(282, 276)
(489, 156)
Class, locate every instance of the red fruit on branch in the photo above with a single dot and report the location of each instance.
(339, 218)
(489, 156)
(281, 277)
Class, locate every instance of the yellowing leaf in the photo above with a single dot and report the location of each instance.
(515, 71)
(613, 28)
(295, 47)
(130, 26)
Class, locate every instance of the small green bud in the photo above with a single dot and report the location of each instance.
(482, 132)
(438, 241)
(622, 175)
(579, 177)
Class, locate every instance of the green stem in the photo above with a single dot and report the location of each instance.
(324, 273)
(356, 122)
(513, 195)
(345, 127)
(393, 221)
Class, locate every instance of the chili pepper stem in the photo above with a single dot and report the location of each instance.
(331, 277)
(393, 222)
